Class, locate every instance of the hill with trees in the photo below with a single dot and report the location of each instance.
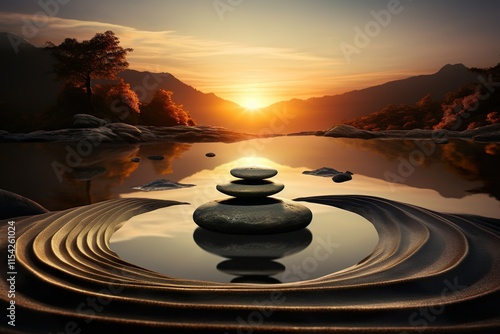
(468, 107)
(319, 112)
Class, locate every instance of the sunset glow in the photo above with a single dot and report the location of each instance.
(252, 104)
(297, 50)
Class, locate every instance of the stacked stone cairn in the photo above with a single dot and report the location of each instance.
(250, 210)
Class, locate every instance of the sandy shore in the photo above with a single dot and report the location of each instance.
(430, 271)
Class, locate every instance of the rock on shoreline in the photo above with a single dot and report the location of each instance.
(90, 128)
(95, 130)
(125, 133)
(14, 205)
(485, 133)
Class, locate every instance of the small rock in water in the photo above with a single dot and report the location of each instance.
(135, 159)
(337, 176)
(162, 184)
(210, 154)
(156, 157)
(342, 177)
(253, 173)
(323, 171)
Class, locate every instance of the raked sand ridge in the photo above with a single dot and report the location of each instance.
(430, 271)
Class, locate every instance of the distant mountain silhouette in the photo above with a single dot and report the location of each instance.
(323, 112)
(204, 108)
(28, 86)
(26, 83)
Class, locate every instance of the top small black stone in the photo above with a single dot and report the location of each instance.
(253, 173)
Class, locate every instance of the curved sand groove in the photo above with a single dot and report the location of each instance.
(429, 271)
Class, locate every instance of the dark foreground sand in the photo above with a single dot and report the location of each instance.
(430, 272)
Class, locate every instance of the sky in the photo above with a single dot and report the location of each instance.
(258, 52)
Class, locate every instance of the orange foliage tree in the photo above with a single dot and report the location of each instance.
(117, 102)
(162, 111)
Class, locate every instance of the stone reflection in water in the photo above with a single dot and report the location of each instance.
(252, 258)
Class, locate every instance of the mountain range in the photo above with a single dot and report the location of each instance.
(319, 112)
(27, 85)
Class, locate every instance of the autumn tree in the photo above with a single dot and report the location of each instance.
(162, 111)
(117, 102)
(81, 62)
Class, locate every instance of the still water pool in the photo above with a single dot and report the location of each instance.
(458, 177)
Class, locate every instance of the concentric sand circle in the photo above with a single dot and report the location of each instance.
(427, 266)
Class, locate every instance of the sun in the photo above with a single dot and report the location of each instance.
(252, 104)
